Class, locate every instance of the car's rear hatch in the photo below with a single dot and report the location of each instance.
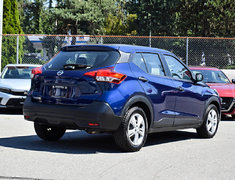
(62, 80)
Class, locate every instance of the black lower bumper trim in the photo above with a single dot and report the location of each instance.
(15, 103)
(95, 116)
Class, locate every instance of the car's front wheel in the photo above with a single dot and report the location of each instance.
(211, 122)
(48, 133)
(132, 132)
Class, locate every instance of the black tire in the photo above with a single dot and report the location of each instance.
(210, 122)
(48, 133)
(134, 124)
(223, 117)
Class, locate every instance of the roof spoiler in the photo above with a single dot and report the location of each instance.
(87, 48)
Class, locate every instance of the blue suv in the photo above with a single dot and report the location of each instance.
(126, 90)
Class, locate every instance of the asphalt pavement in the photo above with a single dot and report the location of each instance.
(78, 155)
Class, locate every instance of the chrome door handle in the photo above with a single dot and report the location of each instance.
(180, 88)
(141, 78)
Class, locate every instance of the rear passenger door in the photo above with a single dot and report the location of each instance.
(147, 67)
(189, 105)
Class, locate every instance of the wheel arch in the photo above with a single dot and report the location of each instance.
(142, 102)
(214, 100)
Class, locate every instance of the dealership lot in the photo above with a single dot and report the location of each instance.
(78, 155)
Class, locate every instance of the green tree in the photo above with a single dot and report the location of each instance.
(11, 25)
(155, 16)
(32, 16)
(80, 16)
(52, 44)
(207, 18)
(120, 22)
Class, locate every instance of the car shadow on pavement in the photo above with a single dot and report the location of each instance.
(228, 119)
(167, 137)
(79, 142)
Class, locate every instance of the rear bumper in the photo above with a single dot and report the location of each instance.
(97, 116)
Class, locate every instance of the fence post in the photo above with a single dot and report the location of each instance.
(101, 40)
(17, 50)
(187, 51)
(150, 39)
(1, 17)
(0, 52)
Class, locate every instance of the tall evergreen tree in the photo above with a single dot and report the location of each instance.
(82, 17)
(155, 16)
(11, 25)
(11, 22)
(210, 18)
(32, 14)
(213, 18)
(120, 22)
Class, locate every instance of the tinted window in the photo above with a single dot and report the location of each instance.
(139, 61)
(178, 70)
(153, 64)
(14, 72)
(210, 76)
(90, 58)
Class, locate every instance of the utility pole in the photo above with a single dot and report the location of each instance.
(150, 30)
(1, 20)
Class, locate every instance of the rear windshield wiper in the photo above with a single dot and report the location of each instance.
(75, 66)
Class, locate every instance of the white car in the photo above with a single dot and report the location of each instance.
(15, 82)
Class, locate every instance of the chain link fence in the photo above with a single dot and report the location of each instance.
(38, 49)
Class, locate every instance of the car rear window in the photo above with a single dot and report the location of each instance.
(17, 72)
(90, 59)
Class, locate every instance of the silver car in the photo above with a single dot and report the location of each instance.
(15, 82)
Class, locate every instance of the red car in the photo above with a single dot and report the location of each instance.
(216, 79)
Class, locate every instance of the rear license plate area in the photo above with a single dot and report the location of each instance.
(59, 91)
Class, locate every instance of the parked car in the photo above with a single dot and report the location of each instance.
(15, 82)
(126, 90)
(216, 79)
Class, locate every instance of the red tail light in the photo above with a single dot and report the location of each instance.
(93, 124)
(35, 71)
(26, 117)
(106, 75)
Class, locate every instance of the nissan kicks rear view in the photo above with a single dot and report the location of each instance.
(129, 91)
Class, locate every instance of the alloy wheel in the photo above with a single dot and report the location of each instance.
(212, 120)
(136, 129)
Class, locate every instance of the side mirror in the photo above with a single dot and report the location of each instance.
(198, 77)
(233, 81)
